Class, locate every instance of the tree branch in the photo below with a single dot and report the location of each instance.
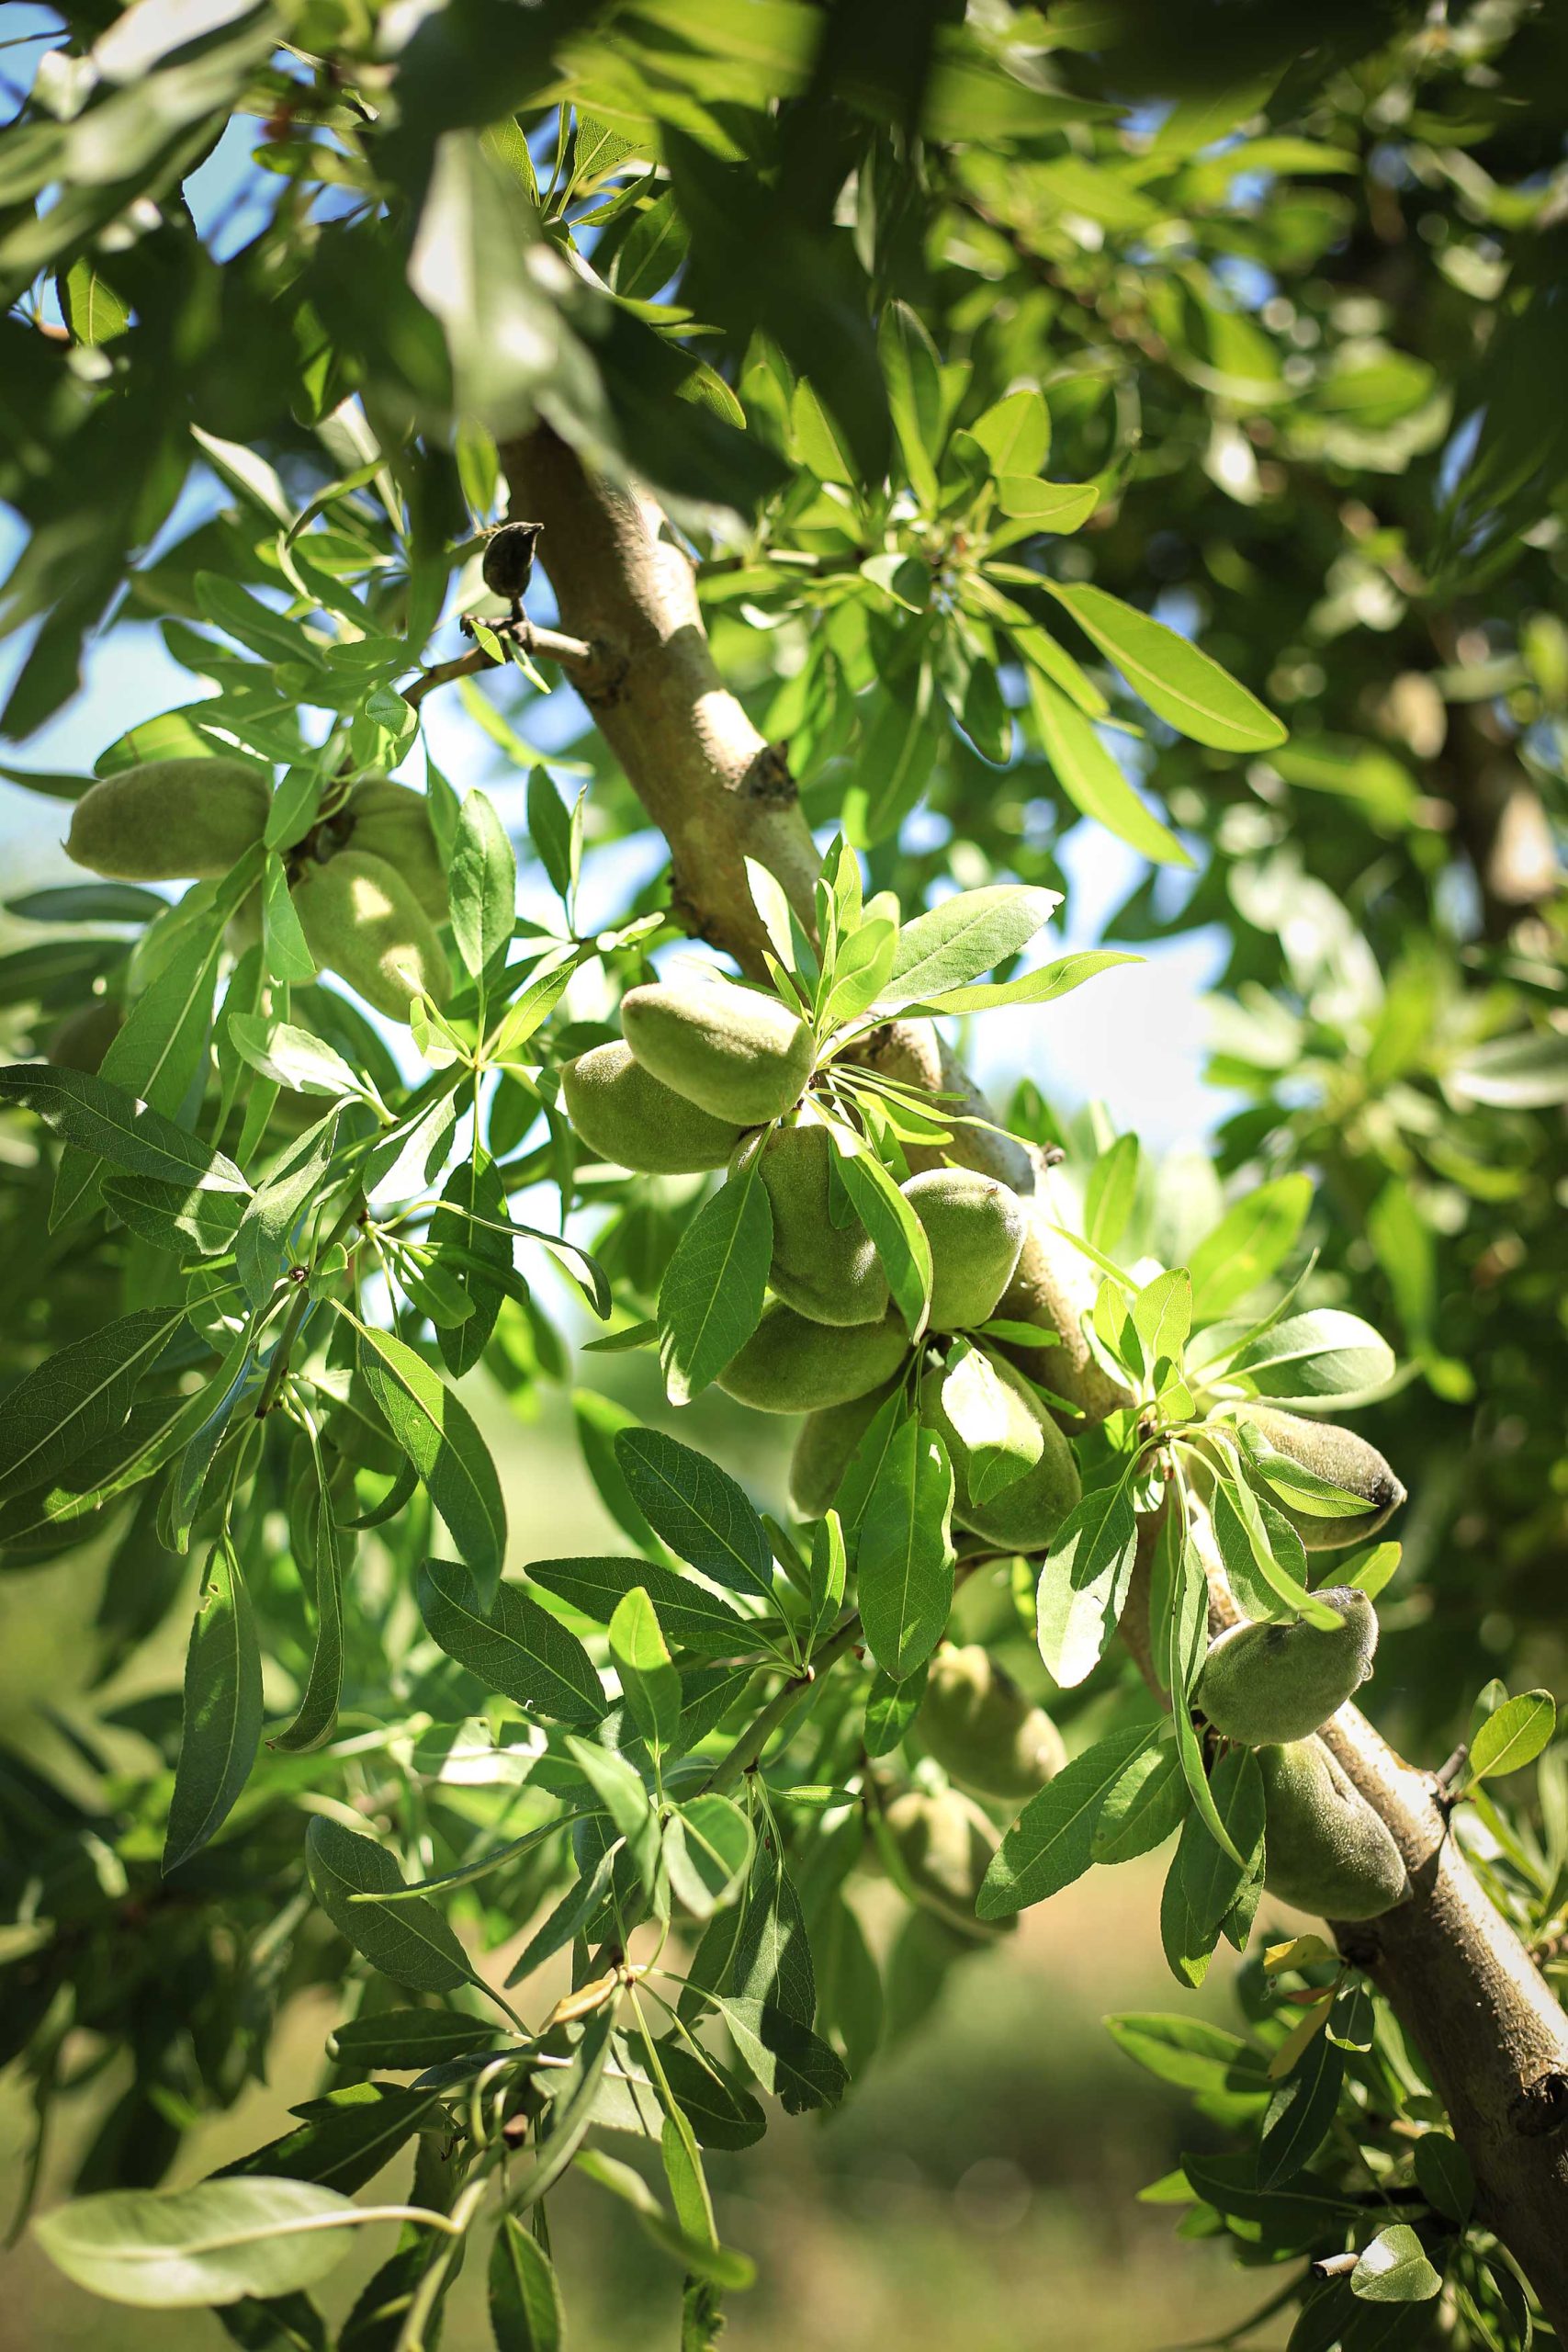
(1459, 1978)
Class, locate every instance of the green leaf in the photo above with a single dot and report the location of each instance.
(912, 372)
(343, 2139)
(698, 1510)
(482, 879)
(1084, 1582)
(897, 1234)
(689, 1616)
(1525, 1072)
(829, 1568)
(651, 1686)
(409, 1942)
(550, 829)
(472, 1190)
(221, 1720)
(716, 1848)
(1187, 688)
(891, 1707)
(437, 1434)
(293, 1058)
(1394, 2269)
(1111, 1193)
(1250, 1241)
(513, 1646)
(1444, 2176)
(904, 1558)
(90, 1115)
(1092, 778)
(411, 2039)
(162, 1048)
(1062, 507)
(79, 1395)
(710, 1300)
(1513, 1737)
(772, 1956)
(1015, 433)
(722, 2114)
(275, 1215)
(184, 2249)
(1162, 1316)
(1146, 1803)
(963, 937)
(526, 2310)
(317, 1716)
(1189, 2053)
(786, 2057)
(289, 957)
(1042, 985)
(1051, 1842)
(1301, 2113)
(1324, 1354)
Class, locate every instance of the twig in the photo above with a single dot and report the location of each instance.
(746, 1753)
(575, 655)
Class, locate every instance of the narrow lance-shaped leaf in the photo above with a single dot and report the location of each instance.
(1185, 686)
(526, 2310)
(185, 2249)
(962, 938)
(483, 882)
(515, 1647)
(905, 1556)
(317, 1716)
(79, 1394)
(437, 1433)
(710, 1300)
(409, 1942)
(697, 1509)
(108, 1123)
(651, 1685)
(222, 1715)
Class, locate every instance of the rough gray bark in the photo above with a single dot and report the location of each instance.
(1459, 1978)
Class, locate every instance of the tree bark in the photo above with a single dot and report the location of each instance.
(1457, 1975)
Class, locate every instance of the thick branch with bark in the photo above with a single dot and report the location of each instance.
(1459, 1980)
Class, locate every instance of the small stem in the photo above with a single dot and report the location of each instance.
(277, 1369)
(746, 1752)
(573, 653)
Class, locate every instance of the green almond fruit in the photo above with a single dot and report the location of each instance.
(392, 820)
(937, 1847)
(362, 920)
(1052, 1286)
(1261, 1684)
(170, 820)
(982, 1729)
(976, 1228)
(623, 1113)
(1324, 1849)
(830, 1272)
(731, 1050)
(1342, 1459)
(791, 1364)
(1025, 1515)
(825, 1447)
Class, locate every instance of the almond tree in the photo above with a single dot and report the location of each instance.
(861, 444)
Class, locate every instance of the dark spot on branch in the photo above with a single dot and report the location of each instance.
(768, 779)
(1541, 2107)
